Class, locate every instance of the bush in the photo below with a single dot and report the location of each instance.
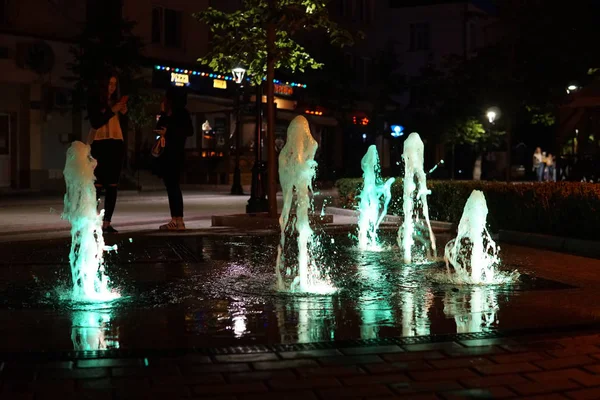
(560, 209)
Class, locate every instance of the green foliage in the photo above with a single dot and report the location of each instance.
(526, 208)
(142, 103)
(472, 132)
(240, 39)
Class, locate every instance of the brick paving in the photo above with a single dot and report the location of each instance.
(560, 366)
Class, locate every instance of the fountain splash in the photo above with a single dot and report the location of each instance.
(89, 331)
(87, 243)
(297, 169)
(374, 199)
(478, 314)
(473, 253)
(413, 161)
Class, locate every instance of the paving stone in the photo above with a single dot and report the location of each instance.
(303, 383)
(291, 355)
(371, 350)
(442, 374)
(259, 376)
(543, 387)
(519, 357)
(574, 350)
(285, 364)
(338, 371)
(212, 368)
(547, 396)
(497, 392)
(498, 369)
(493, 380)
(77, 373)
(593, 368)
(358, 391)
(200, 379)
(56, 365)
(473, 351)
(413, 355)
(233, 388)
(417, 365)
(565, 362)
(432, 346)
(585, 394)
(459, 362)
(428, 386)
(531, 347)
(145, 371)
(253, 357)
(350, 360)
(59, 385)
(95, 384)
(292, 395)
(191, 358)
(375, 379)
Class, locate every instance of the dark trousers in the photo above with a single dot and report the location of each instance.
(171, 179)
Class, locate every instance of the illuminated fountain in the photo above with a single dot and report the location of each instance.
(297, 170)
(89, 331)
(90, 283)
(412, 228)
(374, 199)
(473, 254)
(474, 314)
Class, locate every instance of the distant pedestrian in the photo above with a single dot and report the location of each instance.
(106, 139)
(550, 169)
(538, 164)
(175, 126)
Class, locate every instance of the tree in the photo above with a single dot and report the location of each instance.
(107, 43)
(262, 36)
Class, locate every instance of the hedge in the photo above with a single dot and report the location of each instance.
(555, 208)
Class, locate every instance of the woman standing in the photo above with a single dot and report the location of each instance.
(175, 125)
(106, 140)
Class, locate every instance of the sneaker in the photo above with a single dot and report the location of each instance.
(173, 225)
(109, 229)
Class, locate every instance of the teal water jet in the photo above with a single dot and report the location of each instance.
(297, 170)
(411, 229)
(90, 283)
(473, 254)
(375, 197)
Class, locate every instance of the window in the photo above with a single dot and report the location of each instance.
(420, 37)
(364, 10)
(472, 37)
(166, 27)
(3, 12)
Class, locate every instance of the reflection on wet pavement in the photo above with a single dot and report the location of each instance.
(194, 291)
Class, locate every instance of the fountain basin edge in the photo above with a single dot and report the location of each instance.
(263, 220)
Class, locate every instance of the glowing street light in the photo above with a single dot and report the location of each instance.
(572, 88)
(492, 114)
(238, 74)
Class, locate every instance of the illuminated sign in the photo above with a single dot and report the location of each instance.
(360, 121)
(180, 79)
(284, 90)
(397, 130)
(219, 84)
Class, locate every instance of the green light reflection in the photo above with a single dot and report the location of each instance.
(473, 310)
(93, 330)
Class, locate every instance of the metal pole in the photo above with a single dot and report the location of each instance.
(236, 187)
(257, 202)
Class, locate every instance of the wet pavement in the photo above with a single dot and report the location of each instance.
(185, 291)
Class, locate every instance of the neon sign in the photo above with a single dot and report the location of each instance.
(180, 79)
(397, 130)
(360, 121)
(284, 90)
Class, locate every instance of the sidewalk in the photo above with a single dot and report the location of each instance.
(538, 366)
(33, 217)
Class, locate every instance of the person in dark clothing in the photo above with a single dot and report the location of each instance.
(175, 124)
(107, 145)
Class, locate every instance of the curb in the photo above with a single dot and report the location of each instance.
(392, 219)
(578, 247)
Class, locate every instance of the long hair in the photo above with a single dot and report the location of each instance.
(102, 89)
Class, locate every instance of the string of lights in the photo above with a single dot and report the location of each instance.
(220, 76)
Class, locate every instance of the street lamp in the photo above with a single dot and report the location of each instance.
(236, 187)
(492, 114)
(572, 88)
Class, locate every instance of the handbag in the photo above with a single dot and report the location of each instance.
(158, 147)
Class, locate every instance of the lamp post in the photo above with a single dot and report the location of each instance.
(236, 187)
(258, 202)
